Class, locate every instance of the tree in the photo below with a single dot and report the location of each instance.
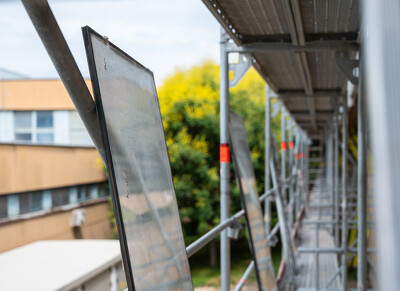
(189, 103)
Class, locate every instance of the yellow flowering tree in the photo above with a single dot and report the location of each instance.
(189, 103)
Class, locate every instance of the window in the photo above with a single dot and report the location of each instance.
(83, 193)
(44, 123)
(19, 203)
(77, 131)
(60, 196)
(3, 206)
(23, 126)
(103, 190)
(29, 202)
(34, 126)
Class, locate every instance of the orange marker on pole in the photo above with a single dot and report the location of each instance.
(224, 156)
(283, 146)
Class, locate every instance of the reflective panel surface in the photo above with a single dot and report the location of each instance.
(249, 197)
(139, 169)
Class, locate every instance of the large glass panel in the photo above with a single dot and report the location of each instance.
(150, 231)
(249, 198)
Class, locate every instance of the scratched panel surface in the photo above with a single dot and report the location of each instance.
(249, 197)
(140, 169)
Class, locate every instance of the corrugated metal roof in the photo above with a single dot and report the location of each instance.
(302, 73)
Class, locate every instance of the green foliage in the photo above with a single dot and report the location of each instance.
(189, 103)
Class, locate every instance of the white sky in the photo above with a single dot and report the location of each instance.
(161, 34)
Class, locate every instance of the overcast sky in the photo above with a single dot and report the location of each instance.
(161, 34)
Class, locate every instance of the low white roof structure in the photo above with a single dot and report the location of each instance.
(56, 265)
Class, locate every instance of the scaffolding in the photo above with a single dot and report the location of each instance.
(314, 56)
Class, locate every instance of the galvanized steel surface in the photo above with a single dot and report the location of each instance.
(298, 23)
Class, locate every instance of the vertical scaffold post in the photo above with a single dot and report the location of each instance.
(344, 193)
(296, 162)
(267, 202)
(329, 166)
(224, 161)
(306, 167)
(303, 168)
(380, 24)
(361, 191)
(283, 154)
(300, 158)
(290, 168)
(336, 177)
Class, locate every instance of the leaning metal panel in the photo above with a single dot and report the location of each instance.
(249, 197)
(139, 172)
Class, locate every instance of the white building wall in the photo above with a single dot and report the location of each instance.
(6, 126)
(61, 127)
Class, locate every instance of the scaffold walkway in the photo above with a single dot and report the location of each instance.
(307, 236)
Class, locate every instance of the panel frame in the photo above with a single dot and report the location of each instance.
(243, 203)
(87, 32)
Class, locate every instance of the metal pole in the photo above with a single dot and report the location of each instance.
(267, 202)
(344, 192)
(316, 255)
(336, 177)
(303, 169)
(296, 170)
(361, 193)
(330, 174)
(246, 275)
(53, 40)
(285, 236)
(381, 42)
(283, 153)
(224, 162)
(291, 197)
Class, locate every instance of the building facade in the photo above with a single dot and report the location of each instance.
(52, 181)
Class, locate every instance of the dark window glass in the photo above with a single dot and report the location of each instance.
(103, 190)
(29, 202)
(36, 201)
(83, 193)
(24, 202)
(44, 119)
(60, 196)
(23, 136)
(3, 206)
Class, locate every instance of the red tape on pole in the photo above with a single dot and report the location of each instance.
(283, 146)
(291, 144)
(224, 156)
